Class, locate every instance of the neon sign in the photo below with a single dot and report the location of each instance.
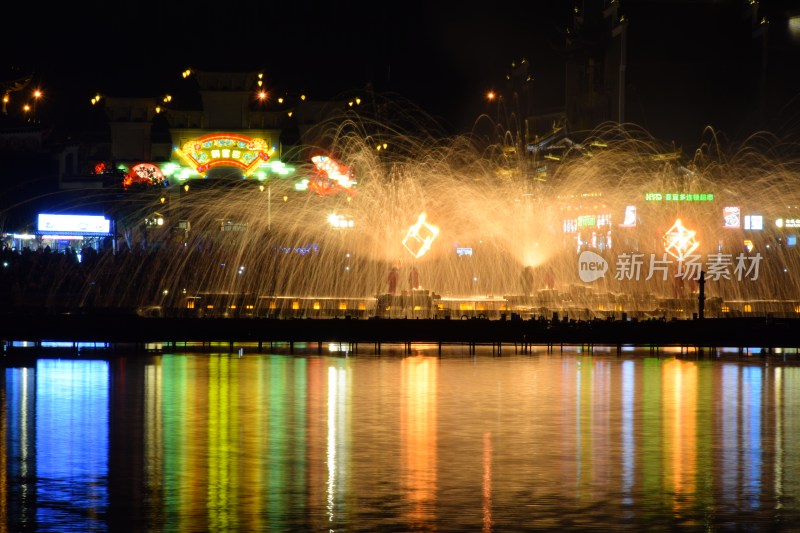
(788, 222)
(678, 197)
(679, 241)
(224, 149)
(333, 176)
(630, 217)
(420, 236)
(753, 222)
(731, 217)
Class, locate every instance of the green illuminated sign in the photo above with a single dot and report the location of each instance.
(678, 197)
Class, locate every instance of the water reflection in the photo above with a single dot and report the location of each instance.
(219, 442)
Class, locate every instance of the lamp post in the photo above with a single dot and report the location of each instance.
(36, 95)
(269, 204)
(493, 97)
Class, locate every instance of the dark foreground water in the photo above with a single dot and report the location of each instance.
(537, 442)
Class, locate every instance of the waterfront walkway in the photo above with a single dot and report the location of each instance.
(124, 329)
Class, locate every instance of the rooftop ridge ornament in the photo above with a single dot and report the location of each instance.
(224, 149)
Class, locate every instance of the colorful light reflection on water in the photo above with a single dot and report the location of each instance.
(250, 442)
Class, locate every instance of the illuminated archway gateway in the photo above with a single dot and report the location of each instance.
(224, 149)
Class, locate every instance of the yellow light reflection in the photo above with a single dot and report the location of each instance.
(487, 482)
(337, 394)
(223, 436)
(418, 438)
(680, 429)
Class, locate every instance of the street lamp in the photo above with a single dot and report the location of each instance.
(36, 95)
(493, 97)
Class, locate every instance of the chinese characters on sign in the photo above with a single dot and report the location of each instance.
(678, 197)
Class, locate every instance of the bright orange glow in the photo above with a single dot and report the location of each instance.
(145, 174)
(680, 428)
(420, 236)
(487, 482)
(338, 177)
(491, 96)
(418, 430)
(679, 241)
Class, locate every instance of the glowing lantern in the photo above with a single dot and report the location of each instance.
(420, 236)
(143, 174)
(333, 176)
(679, 242)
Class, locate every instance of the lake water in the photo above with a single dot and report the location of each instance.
(547, 441)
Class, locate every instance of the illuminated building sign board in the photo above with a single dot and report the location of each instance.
(788, 222)
(224, 149)
(731, 217)
(630, 217)
(678, 197)
(754, 222)
(463, 251)
(73, 224)
(572, 225)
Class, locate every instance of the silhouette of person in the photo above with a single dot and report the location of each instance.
(526, 280)
(550, 279)
(393, 275)
(413, 278)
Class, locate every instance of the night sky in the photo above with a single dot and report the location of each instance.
(690, 63)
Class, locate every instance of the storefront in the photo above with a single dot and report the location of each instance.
(62, 233)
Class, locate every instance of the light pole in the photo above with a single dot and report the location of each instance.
(269, 205)
(36, 95)
(493, 97)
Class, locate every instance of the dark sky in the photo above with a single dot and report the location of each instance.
(690, 63)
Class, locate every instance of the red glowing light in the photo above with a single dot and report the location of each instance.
(332, 178)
